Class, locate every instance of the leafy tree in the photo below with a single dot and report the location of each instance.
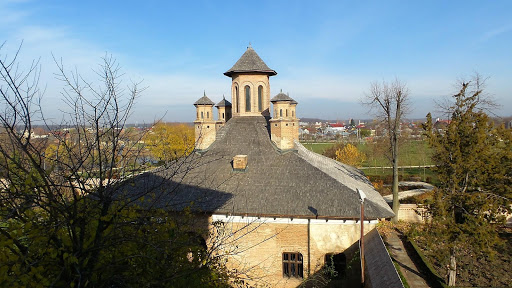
(390, 100)
(170, 141)
(74, 226)
(474, 164)
(365, 133)
(350, 155)
(331, 150)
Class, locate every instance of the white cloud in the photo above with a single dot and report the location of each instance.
(495, 32)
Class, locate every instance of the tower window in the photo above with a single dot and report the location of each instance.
(237, 100)
(202, 115)
(286, 112)
(222, 115)
(292, 265)
(293, 113)
(280, 112)
(207, 115)
(247, 99)
(260, 98)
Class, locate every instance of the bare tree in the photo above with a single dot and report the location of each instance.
(390, 102)
(78, 209)
(65, 219)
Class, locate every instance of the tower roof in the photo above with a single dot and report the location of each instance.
(250, 62)
(223, 103)
(204, 101)
(282, 97)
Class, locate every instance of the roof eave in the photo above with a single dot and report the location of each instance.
(268, 72)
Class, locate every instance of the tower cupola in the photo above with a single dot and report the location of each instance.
(224, 107)
(204, 125)
(250, 88)
(284, 126)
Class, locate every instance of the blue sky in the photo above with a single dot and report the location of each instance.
(326, 53)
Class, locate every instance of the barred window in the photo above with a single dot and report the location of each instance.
(292, 265)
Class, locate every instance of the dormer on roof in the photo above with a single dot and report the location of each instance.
(250, 87)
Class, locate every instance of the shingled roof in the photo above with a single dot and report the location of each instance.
(223, 103)
(250, 62)
(204, 101)
(296, 183)
(282, 97)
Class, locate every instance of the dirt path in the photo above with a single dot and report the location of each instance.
(412, 274)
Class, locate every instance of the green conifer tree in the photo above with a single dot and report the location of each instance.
(473, 161)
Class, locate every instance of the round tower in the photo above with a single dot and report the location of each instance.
(224, 107)
(284, 126)
(204, 125)
(250, 88)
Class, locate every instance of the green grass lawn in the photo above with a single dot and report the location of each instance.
(318, 147)
(411, 153)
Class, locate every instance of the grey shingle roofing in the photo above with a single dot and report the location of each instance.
(380, 271)
(204, 101)
(282, 97)
(250, 62)
(294, 183)
(223, 103)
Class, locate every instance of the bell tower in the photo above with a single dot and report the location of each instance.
(204, 125)
(284, 126)
(250, 87)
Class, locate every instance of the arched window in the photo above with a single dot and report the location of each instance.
(247, 99)
(202, 115)
(286, 112)
(237, 100)
(207, 115)
(280, 112)
(260, 98)
(293, 113)
(222, 115)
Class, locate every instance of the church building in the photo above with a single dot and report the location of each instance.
(281, 209)
(299, 207)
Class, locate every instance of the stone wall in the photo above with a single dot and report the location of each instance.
(205, 133)
(260, 243)
(412, 213)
